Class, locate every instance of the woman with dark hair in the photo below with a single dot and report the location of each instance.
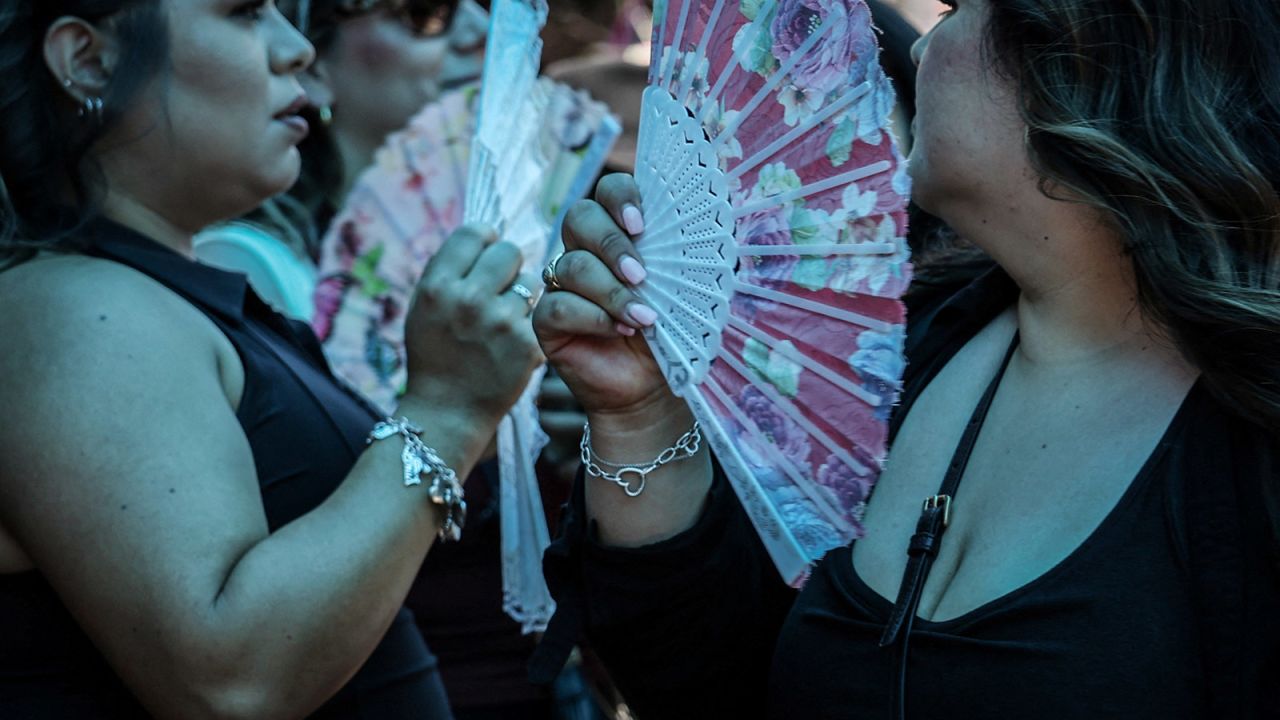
(377, 64)
(196, 519)
(1095, 423)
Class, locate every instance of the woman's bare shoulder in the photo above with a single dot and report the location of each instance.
(56, 298)
(67, 316)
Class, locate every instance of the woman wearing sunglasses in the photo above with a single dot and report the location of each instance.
(196, 519)
(378, 63)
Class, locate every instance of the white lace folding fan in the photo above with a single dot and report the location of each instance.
(775, 206)
(502, 184)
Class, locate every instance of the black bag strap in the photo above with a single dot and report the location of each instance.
(927, 540)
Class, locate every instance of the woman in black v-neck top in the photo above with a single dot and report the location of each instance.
(197, 519)
(700, 625)
(1135, 220)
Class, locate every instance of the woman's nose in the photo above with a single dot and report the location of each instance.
(290, 51)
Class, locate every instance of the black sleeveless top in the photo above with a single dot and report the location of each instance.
(306, 432)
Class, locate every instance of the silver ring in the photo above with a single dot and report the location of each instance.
(524, 292)
(549, 273)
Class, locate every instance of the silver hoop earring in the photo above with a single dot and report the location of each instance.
(91, 108)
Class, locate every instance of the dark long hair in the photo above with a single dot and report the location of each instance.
(1181, 153)
(49, 185)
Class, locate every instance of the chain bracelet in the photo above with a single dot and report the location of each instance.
(684, 448)
(418, 459)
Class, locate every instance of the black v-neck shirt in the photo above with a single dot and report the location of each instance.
(701, 625)
(305, 430)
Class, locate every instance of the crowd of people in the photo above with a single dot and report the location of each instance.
(199, 519)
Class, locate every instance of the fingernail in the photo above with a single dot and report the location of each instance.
(642, 314)
(632, 219)
(625, 329)
(632, 270)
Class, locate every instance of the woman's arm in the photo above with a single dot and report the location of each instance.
(126, 477)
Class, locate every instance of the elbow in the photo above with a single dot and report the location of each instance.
(217, 689)
(199, 700)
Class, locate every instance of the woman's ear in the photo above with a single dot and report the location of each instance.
(80, 56)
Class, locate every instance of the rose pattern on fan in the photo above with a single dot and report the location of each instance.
(849, 488)
(826, 67)
(773, 429)
(768, 227)
(879, 362)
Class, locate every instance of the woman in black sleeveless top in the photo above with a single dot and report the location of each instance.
(1095, 424)
(192, 523)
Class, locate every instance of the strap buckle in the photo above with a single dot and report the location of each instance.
(940, 502)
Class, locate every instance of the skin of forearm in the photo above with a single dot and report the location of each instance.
(303, 609)
(674, 494)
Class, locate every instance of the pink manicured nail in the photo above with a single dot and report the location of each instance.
(642, 314)
(632, 219)
(632, 270)
(625, 330)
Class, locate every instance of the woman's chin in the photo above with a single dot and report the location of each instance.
(288, 172)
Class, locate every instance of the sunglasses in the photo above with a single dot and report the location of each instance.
(424, 18)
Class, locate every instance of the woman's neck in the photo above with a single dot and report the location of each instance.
(1079, 299)
(136, 215)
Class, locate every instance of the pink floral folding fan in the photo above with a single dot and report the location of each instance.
(775, 206)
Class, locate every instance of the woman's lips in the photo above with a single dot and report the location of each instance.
(296, 123)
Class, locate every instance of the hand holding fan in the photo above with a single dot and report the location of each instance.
(774, 203)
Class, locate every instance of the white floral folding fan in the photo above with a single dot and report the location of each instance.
(512, 155)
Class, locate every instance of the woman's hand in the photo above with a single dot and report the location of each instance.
(588, 328)
(470, 345)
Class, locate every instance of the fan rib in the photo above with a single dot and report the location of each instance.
(790, 353)
(861, 249)
(662, 265)
(659, 218)
(792, 412)
(813, 188)
(655, 289)
(735, 63)
(817, 307)
(823, 504)
(844, 101)
(792, 560)
(675, 45)
(774, 81)
(659, 41)
(707, 31)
